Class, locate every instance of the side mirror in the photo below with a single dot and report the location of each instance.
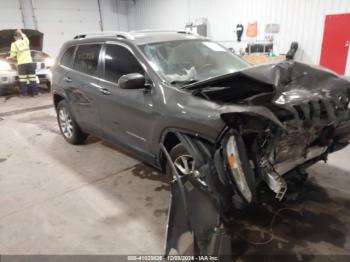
(132, 81)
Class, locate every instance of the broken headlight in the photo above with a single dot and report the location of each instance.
(234, 162)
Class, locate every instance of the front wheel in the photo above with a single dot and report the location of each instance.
(185, 165)
(68, 126)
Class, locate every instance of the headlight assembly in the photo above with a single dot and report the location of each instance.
(49, 62)
(235, 166)
(4, 66)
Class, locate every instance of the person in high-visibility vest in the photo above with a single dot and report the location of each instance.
(20, 51)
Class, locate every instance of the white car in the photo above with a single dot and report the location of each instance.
(8, 70)
(9, 75)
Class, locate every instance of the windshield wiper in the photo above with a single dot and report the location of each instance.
(184, 82)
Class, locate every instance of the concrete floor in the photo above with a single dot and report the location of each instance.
(56, 198)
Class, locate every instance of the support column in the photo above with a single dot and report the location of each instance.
(100, 13)
(28, 15)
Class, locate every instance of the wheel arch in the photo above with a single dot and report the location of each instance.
(173, 137)
(57, 98)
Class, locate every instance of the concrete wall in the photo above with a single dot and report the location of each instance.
(61, 20)
(300, 20)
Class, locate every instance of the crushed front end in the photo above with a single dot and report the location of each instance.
(288, 115)
(279, 120)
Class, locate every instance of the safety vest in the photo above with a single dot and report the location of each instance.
(21, 51)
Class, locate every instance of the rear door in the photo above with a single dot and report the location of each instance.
(126, 115)
(82, 87)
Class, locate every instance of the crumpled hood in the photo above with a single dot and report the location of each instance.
(307, 92)
(298, 84)
(288, 82)
(282, 75)
(35, 38)
(289, 76)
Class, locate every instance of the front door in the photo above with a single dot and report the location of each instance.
(336, 39)
(126, 115)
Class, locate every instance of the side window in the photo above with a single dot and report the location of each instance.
(119, 61)
(86, 59)
(67, 57)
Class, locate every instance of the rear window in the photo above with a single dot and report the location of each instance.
(67, 57)
(86, 59)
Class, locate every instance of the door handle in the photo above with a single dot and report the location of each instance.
(68, 79)
(105, 91)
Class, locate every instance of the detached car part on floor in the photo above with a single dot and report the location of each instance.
(219, 128)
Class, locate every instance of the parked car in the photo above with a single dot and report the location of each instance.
(8, 69)
(228, 126)
(8, 75)
(44, 62)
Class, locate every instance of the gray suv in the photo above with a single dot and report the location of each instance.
(191, 108)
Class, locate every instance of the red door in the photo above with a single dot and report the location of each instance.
(336, 39)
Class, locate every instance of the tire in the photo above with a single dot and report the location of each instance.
(3, 91)
(69, 128)
(46, 87)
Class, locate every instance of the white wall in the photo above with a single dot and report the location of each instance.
(115, 15)
(10, 14)
(300, 20)
(61, 20)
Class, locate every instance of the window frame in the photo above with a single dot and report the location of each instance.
(99, 62)
(128, 48)
(72, 59)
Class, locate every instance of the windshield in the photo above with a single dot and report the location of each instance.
(188, 61)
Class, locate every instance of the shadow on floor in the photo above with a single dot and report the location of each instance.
(315, 223)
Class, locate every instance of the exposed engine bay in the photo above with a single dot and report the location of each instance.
(287, 117)
(312, 110)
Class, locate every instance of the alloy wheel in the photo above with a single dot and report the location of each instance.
(66, 123)
(186, 165)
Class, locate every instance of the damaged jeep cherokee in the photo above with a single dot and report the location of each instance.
(204, 116)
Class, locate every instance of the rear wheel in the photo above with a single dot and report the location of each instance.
(68, 126)
(3, 91)
(46, 87)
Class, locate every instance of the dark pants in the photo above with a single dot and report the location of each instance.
(27, 79)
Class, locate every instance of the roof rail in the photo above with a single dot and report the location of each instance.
(161, 31)
(184, 32)
(124, 35)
